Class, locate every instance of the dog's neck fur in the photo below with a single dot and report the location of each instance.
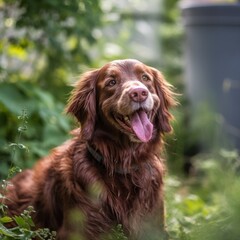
(120, 155)
(100, 159)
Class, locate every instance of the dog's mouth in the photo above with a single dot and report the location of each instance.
(138, 125)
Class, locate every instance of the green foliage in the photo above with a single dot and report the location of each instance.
(172, 42)
(23, 229)
(41, 124)
(184, 139)
(42, 44)
(206, 206)
(41, 38)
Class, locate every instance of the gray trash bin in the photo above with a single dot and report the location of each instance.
(213, 63)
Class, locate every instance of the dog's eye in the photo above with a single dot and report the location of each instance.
(145, 77)
(111, 83)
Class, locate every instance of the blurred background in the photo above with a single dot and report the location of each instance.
(45, 46)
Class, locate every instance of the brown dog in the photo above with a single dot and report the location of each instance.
(110, 171)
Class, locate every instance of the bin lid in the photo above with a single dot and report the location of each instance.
(211, 14)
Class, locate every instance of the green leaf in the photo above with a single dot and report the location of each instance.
(6, 232)
(11, 98)
(6, 219)
(21, 222)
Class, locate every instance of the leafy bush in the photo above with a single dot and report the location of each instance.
(42, 43)
(46, 41)
(43, 124)
(206, 206)
(24, 225)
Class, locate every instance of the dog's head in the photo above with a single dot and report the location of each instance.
(126, 96)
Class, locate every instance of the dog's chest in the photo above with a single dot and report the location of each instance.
(124, 196)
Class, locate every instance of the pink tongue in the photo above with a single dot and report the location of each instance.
(142, 126)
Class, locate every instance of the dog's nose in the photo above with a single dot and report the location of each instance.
(138, 94)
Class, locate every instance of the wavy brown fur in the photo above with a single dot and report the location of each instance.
(125, 188)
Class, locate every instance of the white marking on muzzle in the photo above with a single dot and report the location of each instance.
(126, 105)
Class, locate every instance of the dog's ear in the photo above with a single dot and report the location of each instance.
(82, 103)
(167, 100)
